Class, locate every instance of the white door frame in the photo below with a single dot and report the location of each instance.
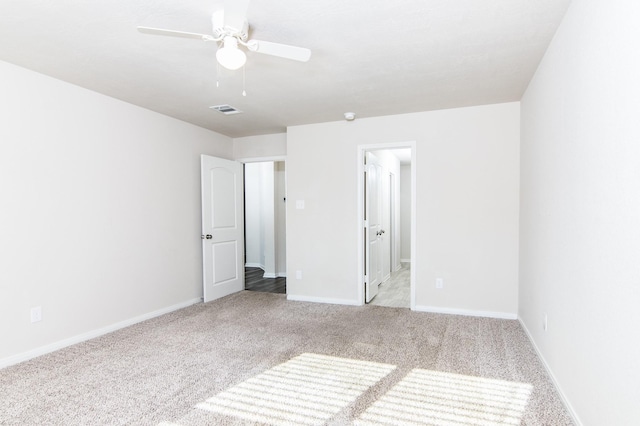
(362, 149)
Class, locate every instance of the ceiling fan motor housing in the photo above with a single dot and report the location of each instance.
(220, 30)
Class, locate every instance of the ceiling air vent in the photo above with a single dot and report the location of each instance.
(226, 109)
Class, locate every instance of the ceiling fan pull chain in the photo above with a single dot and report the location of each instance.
(217, 74)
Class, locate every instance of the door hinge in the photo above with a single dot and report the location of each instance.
(366, 223)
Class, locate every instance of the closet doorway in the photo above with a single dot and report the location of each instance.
(265, 226)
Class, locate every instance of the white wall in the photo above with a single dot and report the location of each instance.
(267, 214)
(260, 147)
(100, 211)
(467, 165)
(280, 218)
(405, 212)
(254, 245)
(580, 210)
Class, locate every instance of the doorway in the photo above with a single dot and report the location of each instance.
(265, 226)
(386, 212)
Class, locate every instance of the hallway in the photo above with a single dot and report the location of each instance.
(396, 291)
(254, 281)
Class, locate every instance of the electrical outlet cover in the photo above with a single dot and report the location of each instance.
(36, 314)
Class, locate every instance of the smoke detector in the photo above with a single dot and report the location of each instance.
(349, 116)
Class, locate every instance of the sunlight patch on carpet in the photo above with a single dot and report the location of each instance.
(439, 398)
(307, 390)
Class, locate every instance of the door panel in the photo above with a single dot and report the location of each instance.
(385, 238)
(373, 217)
(222, 227)
(225, 262)
(223, 198)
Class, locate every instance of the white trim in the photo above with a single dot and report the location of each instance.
(362, 149)
(466, 312)
(414, 222)
(555, 382)
(329, 300)
(43, 350)
(405, 260)
(281, 275)
(361, 224)
(261, 159)
(269, 275)
(254, 265)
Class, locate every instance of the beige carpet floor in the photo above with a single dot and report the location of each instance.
(255, 358)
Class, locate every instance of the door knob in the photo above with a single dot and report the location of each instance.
(208, 236)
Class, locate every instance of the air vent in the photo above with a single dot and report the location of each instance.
(226, 109)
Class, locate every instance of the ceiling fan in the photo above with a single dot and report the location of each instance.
(231, 29)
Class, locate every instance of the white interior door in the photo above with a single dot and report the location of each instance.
(222, 227)
(373, 226)
(385, 237)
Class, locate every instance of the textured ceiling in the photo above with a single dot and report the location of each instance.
(372, 57)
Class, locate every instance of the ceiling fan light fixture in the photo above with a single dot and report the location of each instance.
(229, 56)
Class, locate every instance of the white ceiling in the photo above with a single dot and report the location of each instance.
(372, 57)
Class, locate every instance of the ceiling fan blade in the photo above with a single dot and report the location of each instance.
(235, 13)
(281, 50)
(172, 33)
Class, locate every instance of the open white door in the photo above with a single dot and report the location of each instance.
(222, 227)
(373, 226)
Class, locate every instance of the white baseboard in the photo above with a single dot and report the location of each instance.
(266, 275)
(25, 356)
(564, 399)
(331, 301)
(465, 312)
(405, 260)
(276, 275)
